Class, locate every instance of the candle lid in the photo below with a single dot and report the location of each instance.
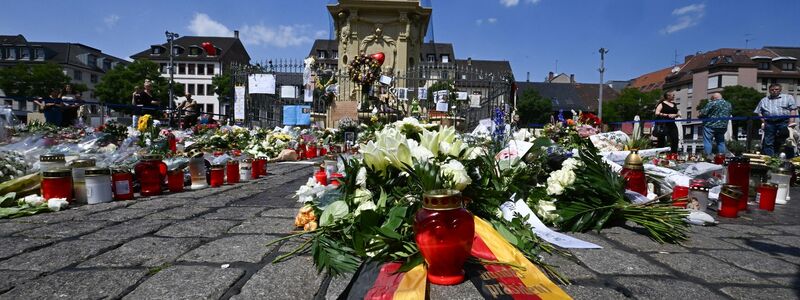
(217, 166)
(151, 157)
(245, 167)
(83, 163)
(770, 184)
(57, 173)
(96, 171)
(733, 191)
(247, 160)
(441, 199)
(195, 153)
(634, 161)
(51, 157)
(232, 162)
(118, 170)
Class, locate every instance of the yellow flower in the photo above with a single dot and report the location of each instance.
(143, 123)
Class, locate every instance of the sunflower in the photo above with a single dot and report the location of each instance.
(143, 123)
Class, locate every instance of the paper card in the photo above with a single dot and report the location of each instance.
(308, 95)
(475, 101)
(386, 80)
(288, 91)
(261, 84)
(440, 96)
(238, 105)
(402, 93)
(461, 96)
(422, 93)
(540, 229)
(442, 106)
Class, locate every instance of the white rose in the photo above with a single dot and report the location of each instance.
(554, 189)
(419, 152)
(33, 200)
(455, 170)
(547, 210)
(56, 204)
(571, 164)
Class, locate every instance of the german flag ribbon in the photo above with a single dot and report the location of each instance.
(502, 273)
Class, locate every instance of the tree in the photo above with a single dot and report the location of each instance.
(26, 80)
(533, 108)
(223, 86)
(630, 103)
(743, 101)
(117, 85)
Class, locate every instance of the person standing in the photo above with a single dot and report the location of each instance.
(191, 110)
(714, 130)
(775, 111)
(667, 112)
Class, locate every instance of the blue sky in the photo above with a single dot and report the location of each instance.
(642, 36)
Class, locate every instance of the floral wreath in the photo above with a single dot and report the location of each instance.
(364, 70)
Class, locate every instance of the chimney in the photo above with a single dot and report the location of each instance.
(469, 61)
(571, 78)
(550, 77)
(528, 77)
(236, 34)
(687, 58)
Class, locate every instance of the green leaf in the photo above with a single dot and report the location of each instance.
(396, 216)
(382, 199)
(8, 200)
(511, 238)
(389, 233)
(335, 211)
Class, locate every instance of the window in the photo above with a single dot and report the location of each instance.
(321, 54)
(445, 75)
(190, 88)
(787, 66)
(201, 90)
(764, 84)
(336, 54)
(77, 75)
(727, 59)
(210, 90)
(91, 60)
(201, 70)
(177, 50)
(210, 108)
(191, 69)
(713, 82)
(25, 53)
(194, 51)
(156, 50)
(763, 65)
(164, 69)
(210, 69)
(688, 114)
(691, 89)
(12, 53)
(38, 53)
(93, 78)
(445, 58)
(714, 60)
(431, 58)
(181, 68)
(729, 80)
(107, 64)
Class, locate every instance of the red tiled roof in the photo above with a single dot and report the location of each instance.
(652, 80)
(702, 61)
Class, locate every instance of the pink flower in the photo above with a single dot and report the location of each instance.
(586, 131)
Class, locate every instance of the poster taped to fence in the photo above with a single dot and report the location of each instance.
(422, 93)
(461, 95)
(475, 101)
(238, 105)
(261, 84)
(288, 91)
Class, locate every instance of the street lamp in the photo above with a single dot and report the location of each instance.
(602, 70)
(171, 36)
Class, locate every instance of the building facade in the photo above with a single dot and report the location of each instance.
(194, 66)
(83, 64)
(567, 95)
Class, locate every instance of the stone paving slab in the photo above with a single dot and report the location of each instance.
(104, 206)
(178, 213)
(643, 243)
(244, 248)
(755, 262)
(187, 282)
(159, 203)
(121, 215)
(8, 228)
(10, 279)
(234, 213)
(265, 225)
(63, 230)
(94, 284)
(745, 293)
(127, 230)
(197, 228)
(280, 212)
(50, 218)
(146, 251)
(10, 246)
(57, 256)
(666, 288)
(295, 278)
(614, 261)
(592, 292)
(708, 269)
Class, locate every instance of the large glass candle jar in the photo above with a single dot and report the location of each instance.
(245, 173)
(217, 175)
(197, 170)
(51, 161)
(149, 173)
(79, 167)
(633, 173)
(729, 201)
(232, 171)
(57, 183)
(765, 196)
(739, 175)
(98, 185)
(122, 184)
(444, 231)
(175, 180)
(262, 165)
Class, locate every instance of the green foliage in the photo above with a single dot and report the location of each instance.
(743, 101)
(223, 87)
(117, 85)
(32, 80)
(702, 104)
(632, 102)
(533, 108)
(442, 85)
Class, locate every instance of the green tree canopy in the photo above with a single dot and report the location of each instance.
(743, 101)
(630, 103)
(223, 86)
(533, 108)
(117, 85)
(32, 80)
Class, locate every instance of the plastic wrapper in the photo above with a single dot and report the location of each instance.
(610, 141)
(176, 163)
(619, 156)
(220, 160)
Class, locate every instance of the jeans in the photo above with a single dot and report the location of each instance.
(775, 134)
(716, 136)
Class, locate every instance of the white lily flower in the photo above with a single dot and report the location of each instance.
(361, 178)
(366, 205)
(362, 195)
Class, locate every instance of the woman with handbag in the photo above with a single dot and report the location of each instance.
(667, 112)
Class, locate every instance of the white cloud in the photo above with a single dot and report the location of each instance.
(491, 20)
(203, 25)
(111, 20)
(510, 3)
(687, 16)
(281, 36)
(479, 22)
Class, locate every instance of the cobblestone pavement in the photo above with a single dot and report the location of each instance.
(211, 244)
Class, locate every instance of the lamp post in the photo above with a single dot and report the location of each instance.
(171, 36)
(602, 70)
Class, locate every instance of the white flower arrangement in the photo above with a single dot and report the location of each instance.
(561, 179)
(312, 190)
(454, 171)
